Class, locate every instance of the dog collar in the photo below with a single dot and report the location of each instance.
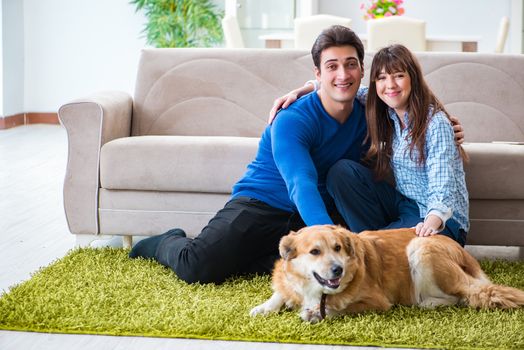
(323, 306)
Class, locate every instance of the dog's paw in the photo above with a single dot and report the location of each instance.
(260, 310)
(311, 315)
(273, 304)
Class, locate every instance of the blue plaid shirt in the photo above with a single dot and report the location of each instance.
(439, 186)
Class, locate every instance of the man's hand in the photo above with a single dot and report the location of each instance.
(284, 101)
(458, 129)
(429, 227)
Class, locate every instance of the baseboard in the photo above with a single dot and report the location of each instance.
(28, 118)
(12, 121)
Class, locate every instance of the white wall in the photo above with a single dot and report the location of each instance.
(12, 57)
(443, 17)
(1, 64)
(76, 47)
(517, 26)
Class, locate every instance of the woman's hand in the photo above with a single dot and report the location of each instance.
(284, 101)
(458, 129)
(429, 227)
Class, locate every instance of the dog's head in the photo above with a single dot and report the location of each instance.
(323, 255)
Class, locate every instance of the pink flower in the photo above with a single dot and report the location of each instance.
(381, 8)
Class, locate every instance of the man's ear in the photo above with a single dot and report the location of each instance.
(287, 247)
(362, 70)
(317, 73)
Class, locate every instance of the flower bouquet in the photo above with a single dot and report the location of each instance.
(382, 8)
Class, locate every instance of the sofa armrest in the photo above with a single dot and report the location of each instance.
(90, 123)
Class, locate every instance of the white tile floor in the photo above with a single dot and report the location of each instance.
(34, 233)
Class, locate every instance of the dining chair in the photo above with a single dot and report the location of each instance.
(308, 28)
(409, 32)
(502, 35)
(232, 34)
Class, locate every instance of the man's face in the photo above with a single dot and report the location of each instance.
(340, 74)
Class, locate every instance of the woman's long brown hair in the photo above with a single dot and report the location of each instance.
(393, 59)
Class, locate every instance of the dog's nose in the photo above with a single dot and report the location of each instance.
(336, 270)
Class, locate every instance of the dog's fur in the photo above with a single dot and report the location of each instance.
(375, 270)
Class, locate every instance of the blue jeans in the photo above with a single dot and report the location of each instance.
(366, 204)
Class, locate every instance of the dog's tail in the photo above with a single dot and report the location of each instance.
(492, 296)
(480, 292)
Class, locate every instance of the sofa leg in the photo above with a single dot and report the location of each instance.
(127, 241)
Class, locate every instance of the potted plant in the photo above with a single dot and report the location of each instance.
(181, 23)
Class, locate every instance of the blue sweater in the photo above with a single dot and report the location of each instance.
(295, 154)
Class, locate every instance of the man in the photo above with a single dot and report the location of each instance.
(284, 187)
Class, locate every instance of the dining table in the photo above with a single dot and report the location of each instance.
(457, 43)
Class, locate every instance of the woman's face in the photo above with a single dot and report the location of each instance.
(394, 89)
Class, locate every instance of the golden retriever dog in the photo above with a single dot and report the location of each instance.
(375, 270)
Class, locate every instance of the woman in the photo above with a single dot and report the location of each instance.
(411, 134)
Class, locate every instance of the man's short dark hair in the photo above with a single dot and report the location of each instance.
(336, 35)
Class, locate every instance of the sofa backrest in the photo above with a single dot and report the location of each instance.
(229, 92)
(224, 92)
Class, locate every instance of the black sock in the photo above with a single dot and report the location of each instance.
(147, 247)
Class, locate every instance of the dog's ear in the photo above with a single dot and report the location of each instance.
(345, 236)
(349, 245)
(287, 247)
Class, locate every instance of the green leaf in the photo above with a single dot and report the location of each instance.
(181, 23)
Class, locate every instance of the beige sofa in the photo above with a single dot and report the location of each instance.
(168, 156)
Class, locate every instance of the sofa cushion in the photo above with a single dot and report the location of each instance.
(214, 163)
(175, 163)
(495, 170)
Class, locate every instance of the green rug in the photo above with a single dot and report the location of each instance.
(101, 291)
